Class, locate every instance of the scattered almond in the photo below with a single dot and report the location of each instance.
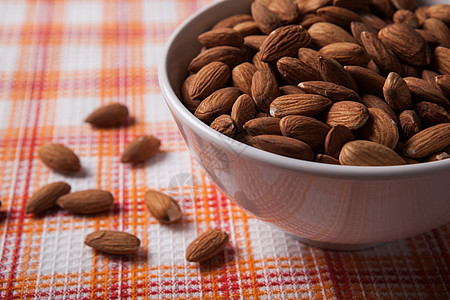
(140, 149)
(59, 158)
(86, 202)
(162, 207)
(108, 115)
(207, 245)
(113, 242)
(46, 197)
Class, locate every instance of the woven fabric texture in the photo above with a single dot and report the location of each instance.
(61, 59)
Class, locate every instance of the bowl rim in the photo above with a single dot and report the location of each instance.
(256, 155)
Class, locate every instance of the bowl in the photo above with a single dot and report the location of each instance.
(329, 206)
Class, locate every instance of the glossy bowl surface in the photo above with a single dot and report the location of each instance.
(339, 207)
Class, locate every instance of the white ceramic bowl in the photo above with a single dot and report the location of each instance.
(337, 207)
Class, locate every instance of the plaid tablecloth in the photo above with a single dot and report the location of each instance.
(61, 59)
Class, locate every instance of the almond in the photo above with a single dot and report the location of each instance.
(247, 28)
(307, 6)
(207, 245)
(431, 114)
(380, 128)
(332, 71)
(382, 56)
(371, 101)
(305, 129)
(428, 141)
(225, 125)
(264, 88)
(86, 202)
(254, 41)
(216, 104)
(242, 77)
(396, 93)
(290, 89)
(141, 148)
(46, 197)
(368, 153)
(382, 8)
(113, 242)
(284, 41)
(285, 10)
(259, 64)
(404, 4)
(59, 158)
(210, 78)
(406, 43)
(324, 33)
(309, 19)
(440, 12)
(443, 81)
(441, 61)
(429, 76)
(294, 70)
(408, 70)
(231, 21)
(298, 104)
(162, 207)
(351, 114)
(326, 159)
(332, 91)
(262, 126)
(346, 53)
(310, 58)
(410, 123)
(338, 15)
(264, 17)
(285, 146)
(358, 27)
(108, 115)
(367, 80)
(406, 17)
(187, 100)
(373, 21)
(432, 41)
(421, 14)
(229, 55)
(438, 156)
(336, 138)
(243, 110)
(439, 30)
(221, 37)
(424, 91)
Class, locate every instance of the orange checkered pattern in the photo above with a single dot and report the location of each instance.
(60, 59)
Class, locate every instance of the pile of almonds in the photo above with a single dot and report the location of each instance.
(162, 207)
(363, 83)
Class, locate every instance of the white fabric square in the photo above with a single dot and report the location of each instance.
(9, 58)
(13, 12)
(156, 109)
(81, 57)
(73, 111)
(5, 108)
(84, 12)
(160, 11)
(153, 54)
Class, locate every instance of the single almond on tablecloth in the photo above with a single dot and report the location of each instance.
(284, 41)
(351, 114)
(210, 78)
(336, 138)
(140, 149)
(368, 153)
(46, 197)
(113, 242)
(285, 146)
(162, 207)
(264, 89)
(108, 115)
(305, 129)
(225, 125)
(59, 158)
(298, 104)
(428, 141)
(380, 128)
(410, 123)
(431, 114)
(216, 104)
(207, 245)
(86, 202)
(263, 125)
(396, 93)
(332, 91)
(221, 37)
(229, 55)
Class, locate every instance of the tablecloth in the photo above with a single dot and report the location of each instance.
(61, 59)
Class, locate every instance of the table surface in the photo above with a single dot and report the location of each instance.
(59, 60)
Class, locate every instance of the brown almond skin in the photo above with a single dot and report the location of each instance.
(290, 89)
(108, 115)
(367, 80)
(404, 4)
(229, 55)
(221, 37)
(332, 91)
(409, 123)
(210, 78)
(338, 15)
(429, 76)
(439, 30)
(441, 61)
(264, 89)
(298, 104)
(264, 17)
(407, 17)
(140, 149)
(284, 41)
(439, 11)
(247, 28)
(431, 114)
(295, 70)
(351, 114)
(113, 242)
(380, 128)
(406, 43)
(285, 10)
(368, 153)
(382, 56)
(428, 141)
(324, 33)
(372, 101)
(207, 245)
(59, 158)
(336, 138)
(443, 81)
(231, 21)
(421, 90)
(216, 104)
(310, 19)
(162, 207)
(307, 6)
(86, 202)
(358, 27)
(382, 8)
(254, 41)
(46, 197)
(243, 110)
(326, 159)
(332, 71)
(262, 126)
(225, 125)
(396, 93)
(305, 129)
(285, 146)
(346, 53)
(191, 104)
(432, 41)
(352, 5)
(242, 75)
